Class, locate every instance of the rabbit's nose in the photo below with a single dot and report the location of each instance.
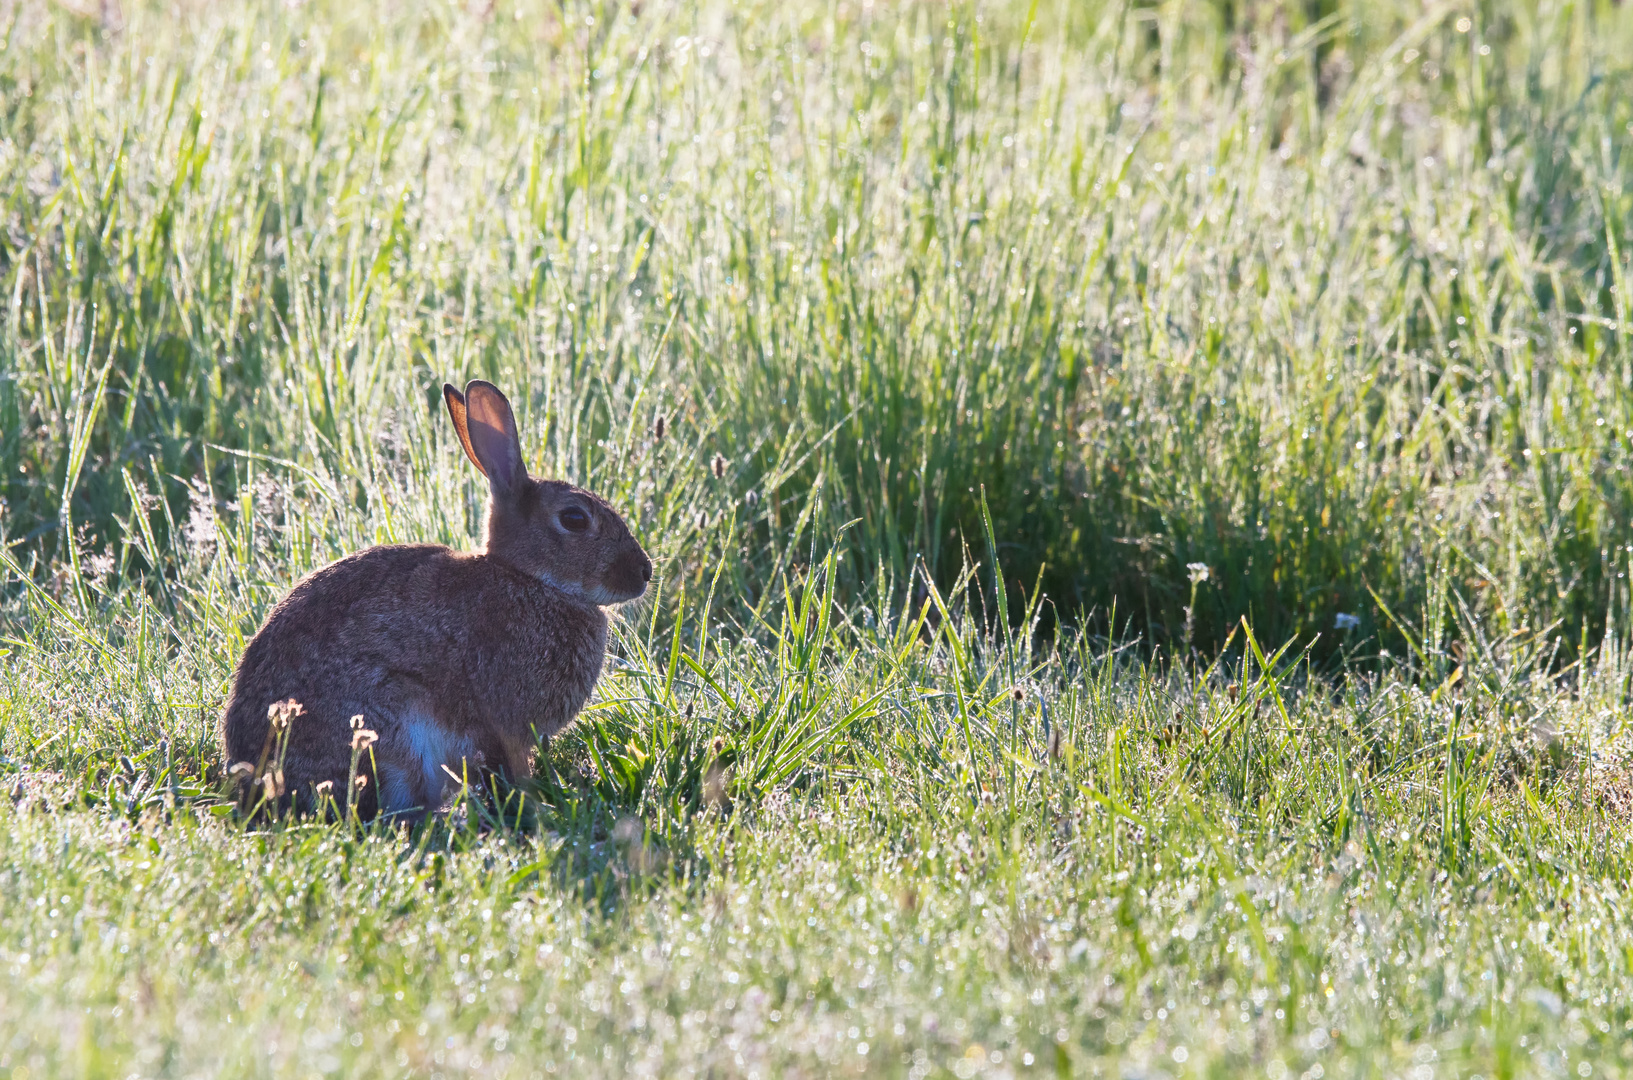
(646, 570)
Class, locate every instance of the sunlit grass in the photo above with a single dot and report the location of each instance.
(1203, 327)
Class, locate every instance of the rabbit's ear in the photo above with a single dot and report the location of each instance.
(490, 436)
(456, 410)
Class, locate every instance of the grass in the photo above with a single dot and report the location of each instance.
(1203, 324)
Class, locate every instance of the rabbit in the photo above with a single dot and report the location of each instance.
(456, 661)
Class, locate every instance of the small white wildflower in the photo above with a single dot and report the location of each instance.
(1199, 572)
(1347, 622)
(98, 567)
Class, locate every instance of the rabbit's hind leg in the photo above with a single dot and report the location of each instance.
(431, 760)
(399, 794)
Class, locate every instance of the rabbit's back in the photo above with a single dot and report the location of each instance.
(446, 655)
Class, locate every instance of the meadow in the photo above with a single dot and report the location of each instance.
(1140, 494)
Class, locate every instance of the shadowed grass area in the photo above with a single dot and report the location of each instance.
(1204, 324)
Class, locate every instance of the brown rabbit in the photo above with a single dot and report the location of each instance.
(458, 660)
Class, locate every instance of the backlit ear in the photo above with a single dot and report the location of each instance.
(490, 436)
(456, 410)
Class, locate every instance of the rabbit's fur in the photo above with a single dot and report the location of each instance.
(458, 660)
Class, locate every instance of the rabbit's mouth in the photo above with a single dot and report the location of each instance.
(622, 588)
(625, 580)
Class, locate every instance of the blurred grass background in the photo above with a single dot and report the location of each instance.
(1307, 294)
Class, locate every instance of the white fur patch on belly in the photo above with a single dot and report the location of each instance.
(430, 747)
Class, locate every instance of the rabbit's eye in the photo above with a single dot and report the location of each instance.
(574, 519)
